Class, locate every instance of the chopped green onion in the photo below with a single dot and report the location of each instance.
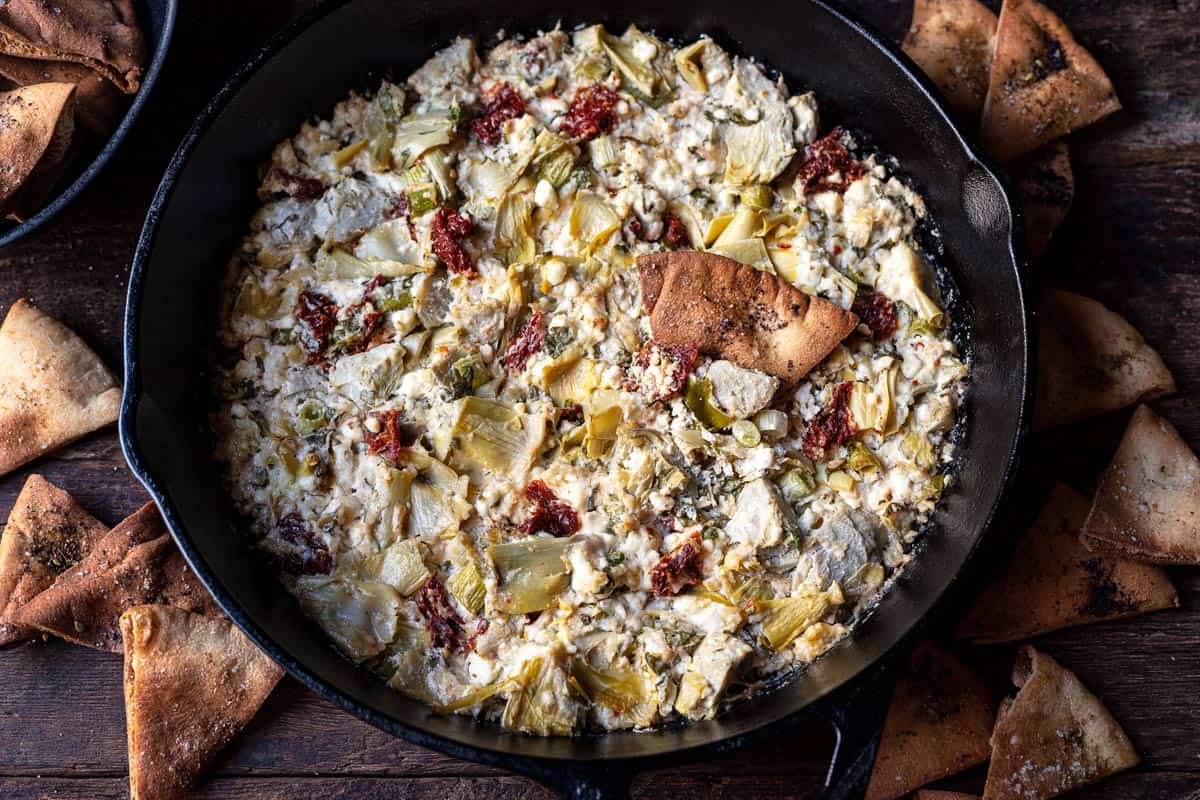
(746, 433)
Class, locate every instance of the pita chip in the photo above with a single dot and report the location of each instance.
(1054, 736)
(937, 725)
(951, 41)
(1046, 184)
(1042, 85)
(1053, 581)
(47, 533)
(191, 684)
(1148, 503)
(98, 103)
(1090, 361)
(36, 126)
(53, 388)
(136, 563)
(102, 35)
(934, 794)
(734, 311)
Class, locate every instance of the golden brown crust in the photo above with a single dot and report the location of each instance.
(47, 533)
(734, 311)
(1043, 84)
(191, 684)
(36, 124)
(134, 564)
(1053, 581)
(1054, 736)
(951, 41)
(53, 388)
(938, 724)
(1047, 187)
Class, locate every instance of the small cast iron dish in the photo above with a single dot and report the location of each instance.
(208, 194)
(157, 18)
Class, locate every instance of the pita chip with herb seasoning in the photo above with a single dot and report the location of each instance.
(1046, 184)
(46, 534)
(951, 41)
(1053, 581)
(192, 683)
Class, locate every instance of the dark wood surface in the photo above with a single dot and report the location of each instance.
(1132, 240)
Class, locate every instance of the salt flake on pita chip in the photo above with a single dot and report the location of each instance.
(192, 683)
(951, 41)
(1091, 361)
(36, 127)
(1053, 581)
(53, 388)
(733, 311)
(1147, 506)
(98, 103)
(1046, 184)
(938, 724)
(1054, 736)
(1042, 85)
(47, 533)
(136, 563)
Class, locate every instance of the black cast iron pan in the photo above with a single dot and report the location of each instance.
(208, 194)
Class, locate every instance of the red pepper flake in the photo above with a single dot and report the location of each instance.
(660, 371)
(445, 625)
(826, 158)
(832, 425)
(675, 233)
(550, 515)
(504, 104)
(528, 342)
(877, 312)
(387, 442)
(679, 568)
(298, 186)
(318, 313)
(310, 556)
(449, 227)
(591, 112)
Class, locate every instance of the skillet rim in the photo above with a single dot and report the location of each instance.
(133, 392)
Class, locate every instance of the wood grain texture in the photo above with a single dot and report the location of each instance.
(1132, 240)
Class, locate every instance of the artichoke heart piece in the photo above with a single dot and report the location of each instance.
(514, 230)
(467, 586)
(872, 406)
(360, 616)
(601, 426)
(592, 221)
(398, 500)
(745, 224)
(541, 701)
(691, 69)
(489, 434)
(573, 384)
(339, 264)
(904, 276)
(747, 251)
(417, 133)
(473, 697)
(437, 497)
(757, 152)
(637, 73)
(785, 618)
(627, 693)
(400, 566)
(699, 398)
(532, 573)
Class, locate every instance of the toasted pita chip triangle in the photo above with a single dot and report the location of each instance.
(1053, 581)
(1091, 361)
(1147, 506)
(191, 684)
(1047, 187)
(934, 794)
(47, 533)
(36, 123)
(951, 40)
(102, 35)
(136, 563)
(736, 312)
(98, 103)
(1054, 736)
(1043, 84)
(938, 724)
(53, 388)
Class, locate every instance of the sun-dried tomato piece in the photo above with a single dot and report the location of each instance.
(828, 165)
(675, 233)
(550, 515)
(528, 342)
(660, 371)
(445, 625)
(387, 442)
(679, 568)
(877, 312)
(832, 425)
(298, 186)
(449, 227)
(309, 555)
(318, 315)
(638, 229)
(591, 112)
(504, 104)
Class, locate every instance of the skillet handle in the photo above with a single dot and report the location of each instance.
(858, 723)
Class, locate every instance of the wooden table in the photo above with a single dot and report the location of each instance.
(1132, 240)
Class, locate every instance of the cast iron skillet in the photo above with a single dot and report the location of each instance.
(208, 194)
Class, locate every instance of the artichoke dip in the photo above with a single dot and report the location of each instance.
(584, 383)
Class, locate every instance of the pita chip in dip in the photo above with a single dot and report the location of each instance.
(53, 388)
(937, 725)
(951, 41)
(1053, 581)
(1091, 361)
(1043, 84)
(1046, 184)
(136, 563)
(36, 126)
(191, 684)
(1148, 503)
(1054, 736)
(46, 534)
